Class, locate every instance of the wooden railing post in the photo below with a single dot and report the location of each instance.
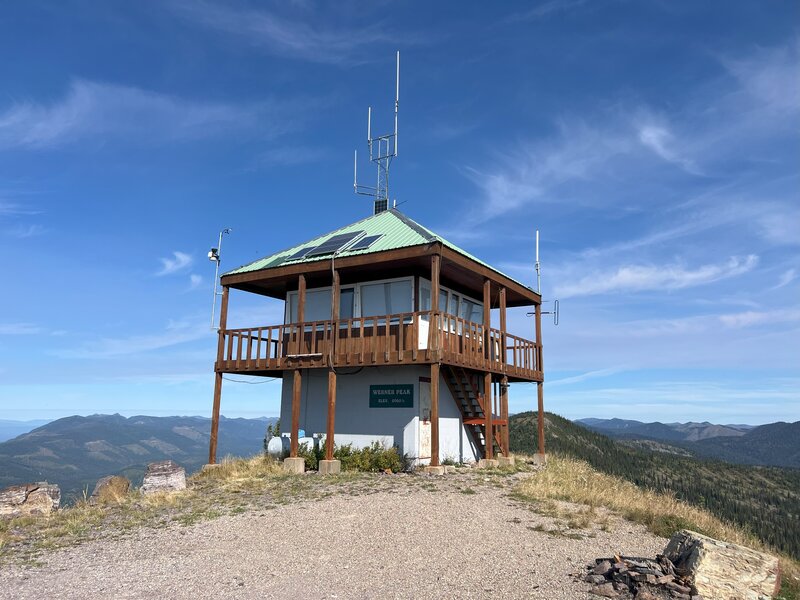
(434, 325)
(335, 299)
(299, 330)
(223, 323)
(487, 319)
(503, 327)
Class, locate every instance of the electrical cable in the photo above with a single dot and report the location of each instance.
(251, 382)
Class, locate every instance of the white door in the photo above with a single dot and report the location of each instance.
(424, 418)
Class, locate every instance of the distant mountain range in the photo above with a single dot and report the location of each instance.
(75, 452)
(775, 444)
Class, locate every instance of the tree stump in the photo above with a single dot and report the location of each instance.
(723, 570)
(30, 499)
(111, 488)
(164, 476)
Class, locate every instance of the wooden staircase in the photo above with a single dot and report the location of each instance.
(465, 387)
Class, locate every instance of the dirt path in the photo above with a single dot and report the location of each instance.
(444, 537)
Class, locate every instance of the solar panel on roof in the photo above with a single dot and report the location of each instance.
(365, 242)
(300, 253)
(333, 244)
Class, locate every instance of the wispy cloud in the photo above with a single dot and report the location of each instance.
(780, 224)
(194, 281)
(20, 329)
(637, 278)
(785, 279)
(532, 172)
(13, 209)
(288, 156)
(545, 9)
(769, 77)
(26, 231)
(752, 317)
(585, 376)
(303, 39)
(178, 262)
(174, 334)
(660, 140)
(90, 109)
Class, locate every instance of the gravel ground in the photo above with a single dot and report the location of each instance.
(412, 541)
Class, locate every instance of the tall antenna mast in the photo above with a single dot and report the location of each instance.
(538, 269)
(382, 150)
(556, 309)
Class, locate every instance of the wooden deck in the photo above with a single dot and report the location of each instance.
(400, 339)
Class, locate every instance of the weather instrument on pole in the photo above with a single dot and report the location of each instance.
(214, 255)
(538, 266)
(382, 149)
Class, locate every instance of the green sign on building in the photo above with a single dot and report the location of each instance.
(391, 396)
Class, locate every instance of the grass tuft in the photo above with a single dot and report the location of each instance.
(576, 481)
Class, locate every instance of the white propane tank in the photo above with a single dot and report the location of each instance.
(278, 447)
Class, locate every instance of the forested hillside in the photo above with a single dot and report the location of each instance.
(764, 499)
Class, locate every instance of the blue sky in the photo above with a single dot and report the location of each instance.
(656, 145)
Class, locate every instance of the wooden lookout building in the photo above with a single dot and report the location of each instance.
(387, 336)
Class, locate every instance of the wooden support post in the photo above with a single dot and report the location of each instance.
(223, 323)
(435, 414)
(540, 384)
(487, 320)
(335, 299)
(331, 414)
(296, 389)
(504, 414)
(434, 326)
(488, 410)
(301, 313)
(503, 326)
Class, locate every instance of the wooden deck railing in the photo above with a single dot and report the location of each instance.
(403, 338)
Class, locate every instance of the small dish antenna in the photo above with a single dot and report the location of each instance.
(215, 256)
(382, 149)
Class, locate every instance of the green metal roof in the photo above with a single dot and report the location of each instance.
(396, 231)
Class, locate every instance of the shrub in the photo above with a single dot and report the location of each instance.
(311, 455)
(373, 458)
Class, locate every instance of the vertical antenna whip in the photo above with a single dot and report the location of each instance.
(215, 255)
(382, 150)
(538, 267)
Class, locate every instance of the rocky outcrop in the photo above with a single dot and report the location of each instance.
(29, 499)
(110, 489)
(723, 570)
(164, 476)
(692, 567)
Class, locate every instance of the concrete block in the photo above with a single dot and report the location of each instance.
(294, 465)
(505, 461)
(434, 470)
(487, 463)
(330, 467)
(210, 467)
(540, 459)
